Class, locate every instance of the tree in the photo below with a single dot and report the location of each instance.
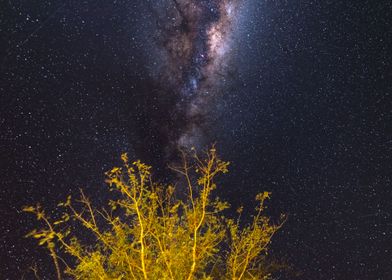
(148, 233)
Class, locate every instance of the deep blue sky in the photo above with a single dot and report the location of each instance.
(306, 113)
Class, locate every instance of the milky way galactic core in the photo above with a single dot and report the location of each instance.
(197, 39)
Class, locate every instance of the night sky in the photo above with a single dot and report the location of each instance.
(296, 94)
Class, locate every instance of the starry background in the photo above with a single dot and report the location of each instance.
(305, 113)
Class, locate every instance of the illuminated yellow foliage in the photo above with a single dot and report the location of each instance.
(148, 233)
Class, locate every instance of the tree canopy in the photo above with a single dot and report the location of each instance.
(147, 232)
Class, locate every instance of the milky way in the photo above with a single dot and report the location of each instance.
(197, 42)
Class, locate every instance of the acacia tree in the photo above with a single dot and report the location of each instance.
(148, 233)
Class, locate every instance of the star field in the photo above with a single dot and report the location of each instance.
(299, 102)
